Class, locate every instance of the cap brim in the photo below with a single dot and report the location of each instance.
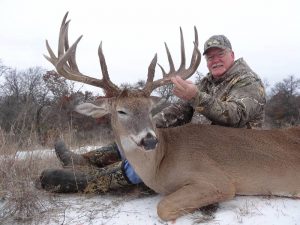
(214, 46)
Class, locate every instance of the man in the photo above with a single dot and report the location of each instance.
(230, 95)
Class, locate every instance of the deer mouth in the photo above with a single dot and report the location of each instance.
(149, 142)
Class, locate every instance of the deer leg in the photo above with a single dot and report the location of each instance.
(191, 197)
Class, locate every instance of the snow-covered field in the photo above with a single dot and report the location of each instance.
(135, 209)
(116, 210)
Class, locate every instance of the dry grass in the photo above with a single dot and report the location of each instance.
(20, 201)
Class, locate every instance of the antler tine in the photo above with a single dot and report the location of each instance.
(182, 71)
(112, 88)
(62, 34)
(52, 57)
(62, 65)
(66, 66)
(170, 60)
(63, 44)
(72, 59)
(151, 73)
(171, 63)
(182, 65)
(196, 43)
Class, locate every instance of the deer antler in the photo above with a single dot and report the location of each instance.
(182, 71)
(66, 66)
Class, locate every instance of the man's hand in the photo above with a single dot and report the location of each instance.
(184, 89)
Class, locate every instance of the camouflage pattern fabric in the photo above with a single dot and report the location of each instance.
(236, 99)
(103, 156)
(174, 115)
(107, 178)
(217, 41)
(87, 179)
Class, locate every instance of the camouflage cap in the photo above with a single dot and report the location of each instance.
(217, 41)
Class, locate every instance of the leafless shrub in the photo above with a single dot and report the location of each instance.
(283, 106)
(21, 201)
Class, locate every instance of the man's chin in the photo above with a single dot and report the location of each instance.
(218, 72)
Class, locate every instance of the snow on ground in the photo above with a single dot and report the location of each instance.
(112, 210)
(132, 209)
(43, 153)
(78, 209)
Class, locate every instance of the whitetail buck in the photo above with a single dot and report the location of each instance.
(192, 165)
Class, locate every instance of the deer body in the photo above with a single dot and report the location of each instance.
(257, 162)
(196, 165)
(192, 165)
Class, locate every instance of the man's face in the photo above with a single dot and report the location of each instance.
(219, 61)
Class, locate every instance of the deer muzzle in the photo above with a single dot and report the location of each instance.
(149, 142)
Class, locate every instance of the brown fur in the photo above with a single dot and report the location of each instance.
(198, 165)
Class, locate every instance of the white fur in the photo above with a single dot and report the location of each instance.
(127, 143)
(137, 138)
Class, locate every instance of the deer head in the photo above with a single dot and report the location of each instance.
(130, 109)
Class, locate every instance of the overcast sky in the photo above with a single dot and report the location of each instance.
(265, 33)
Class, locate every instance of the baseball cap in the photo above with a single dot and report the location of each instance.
(217, 41)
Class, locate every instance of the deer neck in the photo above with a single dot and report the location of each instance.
(145, 163)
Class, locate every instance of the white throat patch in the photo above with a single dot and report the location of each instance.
(128, 144)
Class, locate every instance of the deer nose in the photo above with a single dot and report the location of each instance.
(149, 141)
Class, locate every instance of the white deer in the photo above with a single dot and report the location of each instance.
(191, 165)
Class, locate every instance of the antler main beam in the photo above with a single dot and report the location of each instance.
(182, 71)
(66, 66)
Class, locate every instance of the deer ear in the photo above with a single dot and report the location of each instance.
(156, 100)
(158, 104)
(90, 109)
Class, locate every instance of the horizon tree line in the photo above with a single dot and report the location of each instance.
(37, 105)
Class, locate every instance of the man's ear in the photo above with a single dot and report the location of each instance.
(232, 53)
(95, 111)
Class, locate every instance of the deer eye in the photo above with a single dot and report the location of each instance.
(122, 112)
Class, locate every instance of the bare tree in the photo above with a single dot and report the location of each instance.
(166, 92)
(3, 68)
(290, 86)
(23, 98)
(199, 77)
(138, 85)
(283, 107)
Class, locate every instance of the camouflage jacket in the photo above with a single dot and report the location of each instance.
(236, 99)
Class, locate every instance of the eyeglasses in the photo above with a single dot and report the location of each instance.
(219, 55)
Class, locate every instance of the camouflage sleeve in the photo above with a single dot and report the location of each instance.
(244, 103)
(174, 115)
